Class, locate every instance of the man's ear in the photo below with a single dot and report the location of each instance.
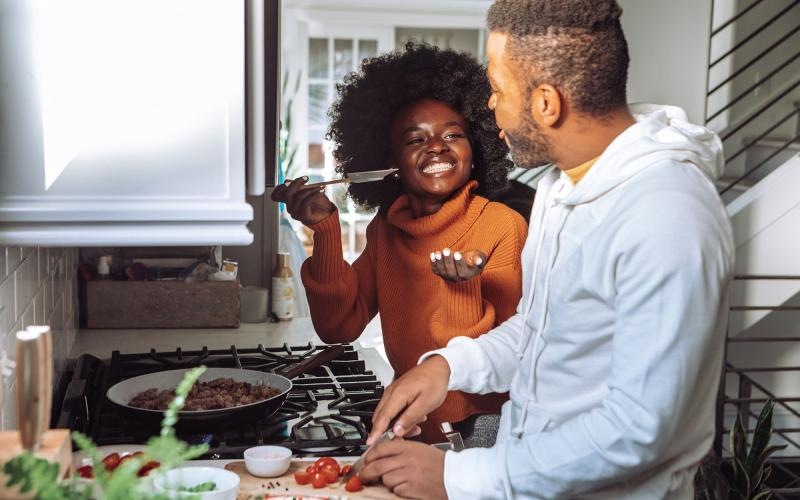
(546, 105)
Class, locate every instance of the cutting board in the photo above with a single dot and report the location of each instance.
(56, 446)
(251, 485)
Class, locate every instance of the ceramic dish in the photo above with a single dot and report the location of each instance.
(267, 461)
(226, 483)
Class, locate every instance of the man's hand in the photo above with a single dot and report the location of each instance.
(417, 393)
(309, 205)
(408, 468)
(457, 266)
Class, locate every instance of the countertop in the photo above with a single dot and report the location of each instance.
(298, 331)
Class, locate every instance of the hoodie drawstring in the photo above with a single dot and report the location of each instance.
(525, 340)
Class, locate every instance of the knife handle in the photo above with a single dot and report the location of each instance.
(328, 354)
(318, 184)
(34, 384)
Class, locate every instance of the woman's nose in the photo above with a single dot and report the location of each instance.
(437, 145)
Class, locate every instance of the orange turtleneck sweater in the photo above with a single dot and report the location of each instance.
(419, 310)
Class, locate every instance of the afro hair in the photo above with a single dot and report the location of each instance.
(369, 99)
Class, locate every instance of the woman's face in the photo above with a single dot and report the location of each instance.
(431, 149)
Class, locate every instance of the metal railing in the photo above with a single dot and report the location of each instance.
(750, 392)
(782, 75)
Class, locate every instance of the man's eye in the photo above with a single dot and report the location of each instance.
(455, 135)
(415, 140)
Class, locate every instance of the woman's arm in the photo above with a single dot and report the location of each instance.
(341, 297)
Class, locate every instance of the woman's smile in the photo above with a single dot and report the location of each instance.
(439, 168)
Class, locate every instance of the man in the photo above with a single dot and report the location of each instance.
(614, 356)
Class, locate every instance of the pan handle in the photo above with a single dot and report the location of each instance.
(329, 353)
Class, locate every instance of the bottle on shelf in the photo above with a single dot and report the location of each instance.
(104, 268)
(282, 288)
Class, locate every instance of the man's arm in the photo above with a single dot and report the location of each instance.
(671, 280)
(471, 365)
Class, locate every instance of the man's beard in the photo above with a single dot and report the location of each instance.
(529, 147)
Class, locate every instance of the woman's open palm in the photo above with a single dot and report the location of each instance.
(457, 266)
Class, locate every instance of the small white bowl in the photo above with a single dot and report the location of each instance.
(226, 481)
(267, 461)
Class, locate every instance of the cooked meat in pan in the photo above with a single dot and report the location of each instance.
(213, 395)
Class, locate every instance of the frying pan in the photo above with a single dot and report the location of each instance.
(122, 392)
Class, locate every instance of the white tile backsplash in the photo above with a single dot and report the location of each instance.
(37, 286)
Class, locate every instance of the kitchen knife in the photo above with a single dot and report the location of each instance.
(359, 464)
(354, 178)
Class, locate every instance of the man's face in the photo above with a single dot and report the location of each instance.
(512, 112)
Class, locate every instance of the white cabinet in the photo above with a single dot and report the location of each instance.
(123, 123)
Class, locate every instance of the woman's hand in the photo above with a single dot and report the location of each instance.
(457, 266)
(308, 206)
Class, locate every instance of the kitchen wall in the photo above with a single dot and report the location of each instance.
(668, 44)
(38, 286)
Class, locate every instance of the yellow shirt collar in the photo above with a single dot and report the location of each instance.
(576, 174)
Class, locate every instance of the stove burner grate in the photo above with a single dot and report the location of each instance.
(329, 408)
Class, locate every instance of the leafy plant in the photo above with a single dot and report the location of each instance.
(749, 471)
(747, 480)
(37, 475)
(287, 146)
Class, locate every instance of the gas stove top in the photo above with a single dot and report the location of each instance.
(328, 410)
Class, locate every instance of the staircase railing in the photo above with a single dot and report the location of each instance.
(750, 392)
(758, 49)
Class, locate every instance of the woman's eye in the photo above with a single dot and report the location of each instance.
(454, 135)
(415, 140)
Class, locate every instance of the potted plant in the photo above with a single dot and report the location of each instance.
(40, 477)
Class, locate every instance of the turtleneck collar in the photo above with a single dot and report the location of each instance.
(440, 229)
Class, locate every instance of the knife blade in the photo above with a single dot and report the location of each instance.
(353, 178)
(359, 464)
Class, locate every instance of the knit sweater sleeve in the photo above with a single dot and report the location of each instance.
(341, 297)
(471, 308)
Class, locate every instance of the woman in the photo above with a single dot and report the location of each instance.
(441, 260)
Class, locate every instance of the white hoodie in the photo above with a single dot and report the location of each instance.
(614, 357)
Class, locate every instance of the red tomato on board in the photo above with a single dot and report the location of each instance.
(85, 472)
(111, 461)
(354, 484)
(319, 480)
(302, 478)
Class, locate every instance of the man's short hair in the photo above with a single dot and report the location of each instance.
(575, 45)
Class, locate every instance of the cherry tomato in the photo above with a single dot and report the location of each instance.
(111, 461)
(345, 469)
(146, 468)
(353, 484)
(312, 469)
(86, 472)
(301, 477)
(330, 465)
(319, 480)
(124, 458)
(324, 461)
(330, 472)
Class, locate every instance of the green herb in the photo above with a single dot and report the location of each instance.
(207, 486)
(37, 475)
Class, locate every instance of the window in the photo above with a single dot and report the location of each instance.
(471, 41)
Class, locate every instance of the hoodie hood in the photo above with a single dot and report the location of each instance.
(660, 132)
